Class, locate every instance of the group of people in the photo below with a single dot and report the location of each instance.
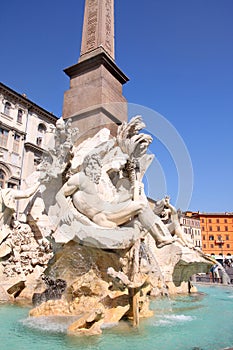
(228, 262)
(219, 272)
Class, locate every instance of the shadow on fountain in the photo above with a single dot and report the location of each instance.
(54, 291)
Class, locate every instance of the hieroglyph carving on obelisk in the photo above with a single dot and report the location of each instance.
(98, 26)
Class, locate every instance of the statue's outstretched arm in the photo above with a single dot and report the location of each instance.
(67, 190)
(172, 209)
(22, 194)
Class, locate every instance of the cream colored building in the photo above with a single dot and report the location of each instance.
(191, 227)
(23, 126)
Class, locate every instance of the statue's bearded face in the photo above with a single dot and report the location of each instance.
(93, 169)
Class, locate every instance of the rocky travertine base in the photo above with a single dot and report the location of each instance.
(100, 295)
(96, 286)
(91, 293)
(23, 259)
(91, 298)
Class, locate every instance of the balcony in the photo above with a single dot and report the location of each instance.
(219, 241)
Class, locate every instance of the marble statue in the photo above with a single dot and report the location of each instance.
(169, 216)
(8, 198)
(120, 164)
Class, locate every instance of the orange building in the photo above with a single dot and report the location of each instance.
(217, 232)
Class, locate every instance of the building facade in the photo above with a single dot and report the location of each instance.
(23, 134)
(217, 233)
(191, 227)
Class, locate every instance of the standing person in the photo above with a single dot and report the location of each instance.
(212, 273)
(216, 274)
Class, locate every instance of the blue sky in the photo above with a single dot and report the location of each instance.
(178, 56)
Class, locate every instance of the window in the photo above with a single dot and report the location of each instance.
(37, 159)
(210, 221)
(7, 108)
(11, 185)
(204, 245)
(203, 237)
(219, 238)
(3, 137)
(202, 220)
(226, 228)
(39, 141)
(210, 228)
(225, 221)
(20, 116)
(211, 246)
(217, 221)
(40, 134)
(41, 128)
(218, 228)
(2, 178)
(228, 245)
(227, 237)
(203, 228)
(211, 238)
(16, 143)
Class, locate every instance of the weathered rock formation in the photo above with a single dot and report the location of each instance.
(100, 295)
(24, 259)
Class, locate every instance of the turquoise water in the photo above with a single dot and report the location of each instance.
(203, 321)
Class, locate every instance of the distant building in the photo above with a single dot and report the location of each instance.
(217, 232)
(191, 227)
(23, 126)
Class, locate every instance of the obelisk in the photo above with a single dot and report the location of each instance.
(94, 99)
(98, 27)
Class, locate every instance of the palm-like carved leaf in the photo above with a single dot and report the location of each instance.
(129, 139)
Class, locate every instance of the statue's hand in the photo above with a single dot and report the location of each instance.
(68, 217)
(43, 177)
(167, 201)
(69, 213)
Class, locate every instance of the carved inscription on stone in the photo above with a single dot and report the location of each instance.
(98, 29)
(108, 25)
(92, 23)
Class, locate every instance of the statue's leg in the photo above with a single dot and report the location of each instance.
(156, 227)
(120, 213)
(101, 220)
(117, 214)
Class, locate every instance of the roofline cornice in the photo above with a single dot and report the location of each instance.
(32, 146)
(31, 106)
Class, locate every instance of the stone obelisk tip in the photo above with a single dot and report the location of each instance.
(98, 28)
